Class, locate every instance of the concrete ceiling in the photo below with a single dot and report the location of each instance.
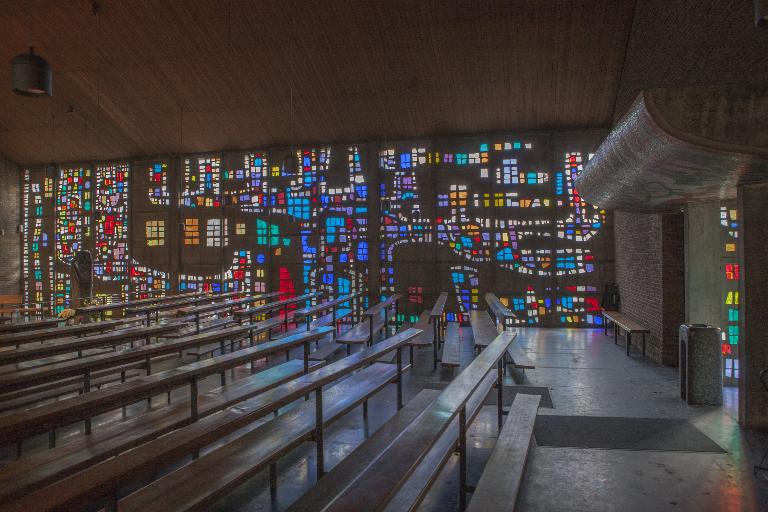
(150, 77)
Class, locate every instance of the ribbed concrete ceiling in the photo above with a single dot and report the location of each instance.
(148, 77)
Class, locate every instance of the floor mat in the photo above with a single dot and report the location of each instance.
(662, 434)
(508, 395)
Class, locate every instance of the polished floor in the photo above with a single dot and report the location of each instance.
(585, 375)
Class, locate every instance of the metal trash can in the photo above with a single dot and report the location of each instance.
(701, 364)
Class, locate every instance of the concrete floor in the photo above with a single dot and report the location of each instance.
(586, 374)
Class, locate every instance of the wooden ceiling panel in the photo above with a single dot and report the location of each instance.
(148, 77)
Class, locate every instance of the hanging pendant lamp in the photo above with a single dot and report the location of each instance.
(31, 75)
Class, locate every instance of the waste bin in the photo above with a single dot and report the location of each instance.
(701, 364)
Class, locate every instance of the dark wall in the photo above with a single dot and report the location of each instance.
(650, 274)
(10, 219)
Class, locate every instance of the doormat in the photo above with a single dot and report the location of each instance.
(615, 433)
(509, 394)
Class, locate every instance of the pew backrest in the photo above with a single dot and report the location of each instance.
(381, 479)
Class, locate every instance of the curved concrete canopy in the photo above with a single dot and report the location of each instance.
(678, 146)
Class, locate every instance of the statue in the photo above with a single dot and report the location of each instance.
(82, 278)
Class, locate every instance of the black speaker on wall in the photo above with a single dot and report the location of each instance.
(761, 13)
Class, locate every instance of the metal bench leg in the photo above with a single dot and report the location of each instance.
(463, 458)
(273, 481)
(399, 378)
(319, 432)
(499, 384)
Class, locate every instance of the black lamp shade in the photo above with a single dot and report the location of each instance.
(31, 75)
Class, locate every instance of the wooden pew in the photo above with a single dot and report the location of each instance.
(192, 488)
(18, 426)
(361, 333)
(484, 329)
(217, 308)
(450, 354)
(331, 305)
(416, 488)
(499, 484)
(436, 319)
(155, 309)
(24, 398)
(266, 309)
(394, 465)
(623, 322)
(426, 338)
(101, 309)
(499, 312)
(20, 338)
(383, 307)
(67, 345)
(343, 473)
(104, 479)
(43, 468)
(32, 325)
(86, 365)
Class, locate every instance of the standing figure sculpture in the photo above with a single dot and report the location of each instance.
(82, 278)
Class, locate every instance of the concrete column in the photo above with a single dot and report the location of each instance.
(703, 255)
(753, 320)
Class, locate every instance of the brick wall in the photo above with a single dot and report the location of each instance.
(649, 271)
(10, 238)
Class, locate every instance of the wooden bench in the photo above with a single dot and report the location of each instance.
(191, 487)
(499, 484)
(38, 335)
(155, 309)
(196, 312)
(426, 338)
(450, 354)
(517, 358)
(29, 397)
(102, 480)
(499, 312)
(66, 345)
(266, 309)
(324, 351)
(18, 426)
(383, 307)
(436, 317)
(43, 468)
(32, 325)
(623, 322)
(83, 367)
(343, 473)
(416, 488)
(265, 326)
(361, 333)
(10, 304)
(101, 309)
(392, 467)
(331, 305)
(484, 329)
